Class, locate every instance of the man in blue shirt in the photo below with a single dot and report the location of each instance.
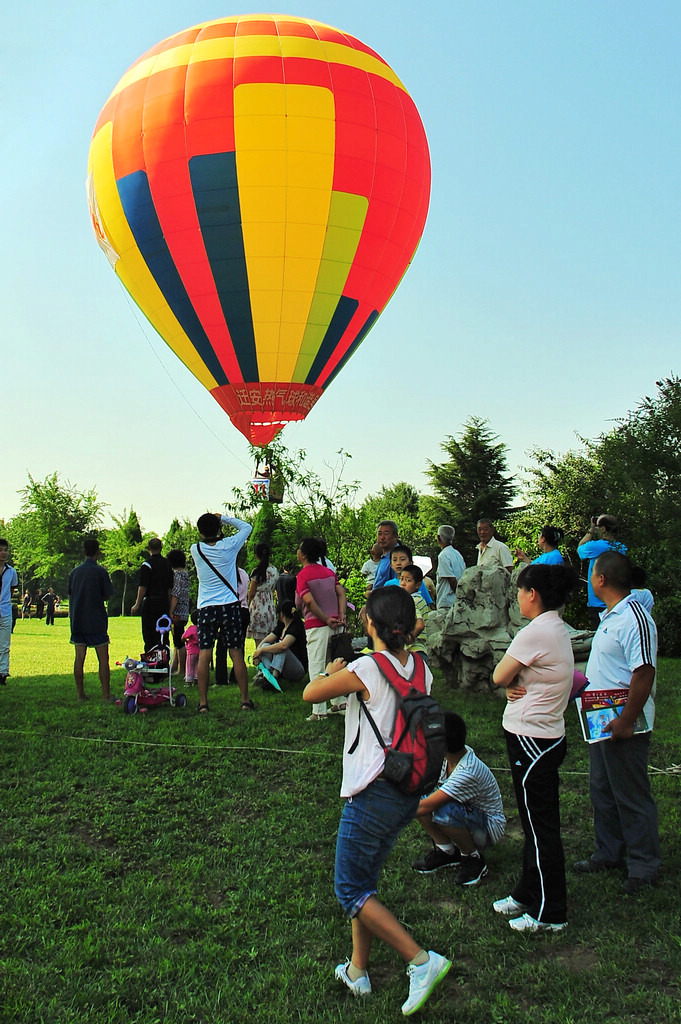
(386, 538)
(599, 538)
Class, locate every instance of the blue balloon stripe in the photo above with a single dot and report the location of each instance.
(216, 197)
(368, 324)
(342, 315)
(142, 218)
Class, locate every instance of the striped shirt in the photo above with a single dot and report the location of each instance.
(473, 785)
(625, 640)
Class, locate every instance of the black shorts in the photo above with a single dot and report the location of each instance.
(220, 620)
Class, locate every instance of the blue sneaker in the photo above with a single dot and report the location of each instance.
(423, 979)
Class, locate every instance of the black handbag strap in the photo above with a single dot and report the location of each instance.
(216, 571)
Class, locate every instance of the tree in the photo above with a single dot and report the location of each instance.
(633, 472)
(473, 483)
(121, 548)
(47, 534)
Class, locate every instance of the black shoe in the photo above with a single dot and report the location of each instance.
(633, 886)
(590, 867)
(436, 859)
(3, 680)
(471, 871)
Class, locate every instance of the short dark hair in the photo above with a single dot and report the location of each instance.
(616, 568)
(208, 525)
(401, 547)
(455, 732)
(155, 545)
(391, 523)
(90, 547)
(4, 543)
(177, 558)
(415, 573)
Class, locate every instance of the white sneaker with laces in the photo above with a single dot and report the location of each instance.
(509, 907)
(361, 987)
(529, 924)
(423, 979)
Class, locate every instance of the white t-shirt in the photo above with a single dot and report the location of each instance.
(366, 761)
(543, 647)
(449, 563)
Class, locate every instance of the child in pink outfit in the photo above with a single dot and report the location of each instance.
(191, 640)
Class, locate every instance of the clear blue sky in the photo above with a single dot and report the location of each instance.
(544, 296)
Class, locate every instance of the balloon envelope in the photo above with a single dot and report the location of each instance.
(260, 185)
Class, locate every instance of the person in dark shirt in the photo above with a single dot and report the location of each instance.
(89, 587)
(284, 651)
(153, 592)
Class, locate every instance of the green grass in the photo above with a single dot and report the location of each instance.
(175, 867)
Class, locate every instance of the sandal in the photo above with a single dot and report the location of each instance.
(337, 709)
(247, 705)
(315, 718)
(202, 709)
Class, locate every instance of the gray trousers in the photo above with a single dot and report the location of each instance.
(625, 815)
(289, 666)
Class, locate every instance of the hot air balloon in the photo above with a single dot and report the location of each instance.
(260, 185)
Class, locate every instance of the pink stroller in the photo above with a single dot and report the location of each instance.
(153, 667)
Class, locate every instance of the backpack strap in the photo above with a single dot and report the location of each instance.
(216, 571)
(417, 680)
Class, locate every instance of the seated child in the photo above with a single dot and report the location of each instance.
(465, 814)
(411, 579)
(191, 642)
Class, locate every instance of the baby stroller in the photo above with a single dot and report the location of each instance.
(153, 667)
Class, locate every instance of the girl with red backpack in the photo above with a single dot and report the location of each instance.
(376, 810)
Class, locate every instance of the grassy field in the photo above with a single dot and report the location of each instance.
(175, 867)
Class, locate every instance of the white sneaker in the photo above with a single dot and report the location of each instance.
(423, 979)
(361, 987)
(529, 924)
(509, 907)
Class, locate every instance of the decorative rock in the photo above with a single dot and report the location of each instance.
(470, 638)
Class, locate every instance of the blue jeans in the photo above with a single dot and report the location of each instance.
(370, 826)
(457, 815)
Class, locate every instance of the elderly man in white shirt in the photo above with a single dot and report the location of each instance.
(450, 566)
(491, 551)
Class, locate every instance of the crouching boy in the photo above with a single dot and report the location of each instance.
(464, 815)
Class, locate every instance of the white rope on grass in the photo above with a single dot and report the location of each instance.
(674, 769)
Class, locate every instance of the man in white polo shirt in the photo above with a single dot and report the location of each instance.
(623, 656)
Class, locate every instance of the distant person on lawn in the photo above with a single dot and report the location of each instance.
(8, 583)
(89, 588)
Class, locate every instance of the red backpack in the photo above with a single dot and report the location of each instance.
(413, 761)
